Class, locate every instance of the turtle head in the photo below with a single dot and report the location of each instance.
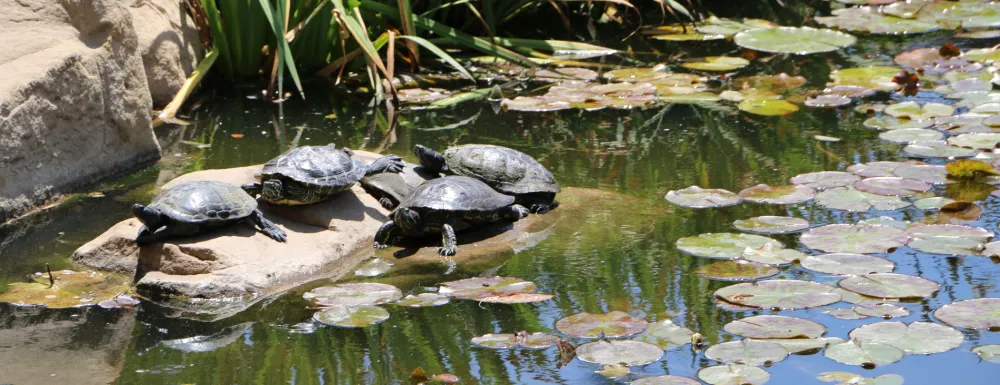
(408, 220)
(430, 159)
(272, 190)
(149, 217)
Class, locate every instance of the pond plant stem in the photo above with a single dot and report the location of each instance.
(170, 111)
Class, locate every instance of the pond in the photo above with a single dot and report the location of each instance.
(616, 255)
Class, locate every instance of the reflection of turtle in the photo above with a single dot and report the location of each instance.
(507, 170)
(390, 188)
(310, 174)
(190, 208)
(446, 205)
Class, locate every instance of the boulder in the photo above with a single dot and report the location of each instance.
(170, 46)
(74, 101)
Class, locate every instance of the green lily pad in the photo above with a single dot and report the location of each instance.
(988, 353)
(926, 173)
(794, 40)
(771, 225)
(748, 94)
(70, 289)
(993, 34)
(535, 104)
(775, 326)
(991, 249)
(632, 353)
(768, 107)
(614, 371)
(876, 78)
(734, 374)
(937, 149)
(909, 135)
(685, 95)
(868, 19)
(827, 101)
(932, 203)
(825, 179)
(778, 195)
(351, 316)
(353, 294)
(880, 309)
(779, 294)
(666, 380)
(665, 334)
(888, 123)
(522, 339)
(615, 324)
(979, 141)
(697, 197)
(979, 313)
(717, 63)
(949, 239)
(915, 338)
(915, 111)
(748, 352)
(496, 341)
(865, 354)
(805, 345)
(857, 239)
(880, 168)
(493, 289)
(845, 378)
(890, 285)
(850, 199)
(736, 271)
(771, 255)
(779, 83)
(723, 245)
(373, 268)
(689, 35)
(424, 300)
(892, 186)
(984, 55)
(847, 264)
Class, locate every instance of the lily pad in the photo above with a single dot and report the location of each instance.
(778, 195)
(909, 135)
(932, 203)
(886, 122)
(915, 111)
(845, 314)
(496, 341)
(493, 289)
(847, 264)
(734, 374)
(890, 285)
(779, 294)
(567, 73)
(522, 339)
(988, 353)
(614, 371)
(70, 289)
(937, 149)
(794, 40)
(868, 19)
(768, 107)
(697, 197)
(771, 255)
(918, 58)
(615, 324)
(949, 239)
(825, 179)
(373, 268)
(351, 316)
(636, 75)
(979, 141)
(915, 338)
(424, 300)
(892, 186)
(827, 101)
(632, 353)
(748, 352)
(824, 138)
(779, 83)
(879, 168)
(805, 345)
(850, 199)
(665, 334)
(775, 326)
(666, 380)
(717, 63)
(723, 245)
(886, 221)
(984, 55)
(736, 271)
(876, 78)
(866, 354)
(771, 225)
(858, 239)
(845, 378)
(927, 173)
(979, 313)
(353, 294)
(880, 309)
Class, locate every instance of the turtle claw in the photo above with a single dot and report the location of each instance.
(447, 251)
(378, 245)
(540, 208)
(386, 203)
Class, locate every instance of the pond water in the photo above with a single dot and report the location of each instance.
(618, 256)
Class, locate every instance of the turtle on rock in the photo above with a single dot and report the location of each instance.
(392, 188)
(194, 207)
(446, 205)
(504, 169)
(310, 174)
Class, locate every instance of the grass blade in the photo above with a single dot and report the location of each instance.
(406, 20)
(277, 25)
(219, 37)
(360, 36)
(192, 81)
(441, 54)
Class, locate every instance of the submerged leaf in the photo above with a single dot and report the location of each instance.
(845, 378)
(424, 300)
(666, 380)
(70, 288)
(988, 353)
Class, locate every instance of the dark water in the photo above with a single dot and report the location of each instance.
(615, 257)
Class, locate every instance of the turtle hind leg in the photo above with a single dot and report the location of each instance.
(382, 236)
(515, 212)
(449, 242)
(268, 227)
(430, 159)
(388, 163)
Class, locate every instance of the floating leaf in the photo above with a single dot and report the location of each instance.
(749, 352)
(932, 203)
(949, 239)
(697, 197)
(984, 55)
(779, 195)
(665, 334)
(632, 353)
(890, 285)
(845, 378)
(868, 19)
(522, 339)
(845, 314)
(886, 221)
(615, 324)
(637, 75)
(492, 289)
(723, 245)
(775, 326)
(925, 173)
(424, 300)
(991, 249)
(536, 340)
(716, 63)
(937, 149)
(847, 264)
(779, 83)
(825, 179)
(771, 255)
(567, 73)
(881, 168)
(979, 313)
(876, 78)
(865, 354)
(847, 198)
(771, 225)
(768, 107)
(909, 135)
(373, 267)
(979, 141)
(666, 380)
(886, 122)
(734, 374)
(70, 288)
(351, 316)
(858, 239)
(614, 371)
(496, 341)
(915, 338)
(880, 309)
(988, 353)
(892, 186)
(969, 169)
(915, 111)
(736, 271)
(421, 95)
(779, 294)
(353, 294)
(918, 57)
(794, 40)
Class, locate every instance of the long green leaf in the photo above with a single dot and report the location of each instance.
(220, 42)
(441, 54)
(359, 34)
(277, 25)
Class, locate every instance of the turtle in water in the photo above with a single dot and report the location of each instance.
(446, 205)
(190, 208)
(390, 188)
(310, 174)
(507, 170)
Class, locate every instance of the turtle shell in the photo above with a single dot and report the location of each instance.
(398, 186)
(321, 166)
(456, 193)
(505, 169)
(204, 202)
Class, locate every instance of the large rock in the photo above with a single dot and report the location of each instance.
(170, 46)
(74, 102)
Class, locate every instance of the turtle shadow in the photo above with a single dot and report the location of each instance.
(346, 206)
(413, 245)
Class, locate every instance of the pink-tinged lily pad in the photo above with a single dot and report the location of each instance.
(779, 294)
(736, 271)
(910, 135)
(915, 338)
(938, 149)
(351, 316)
(988, 353)
(666, 380)
(637, 75)
(775, 326)
(615, 324)
(632, 353)
(734, 374)
(949, 239)
(778, 195)
(927, 173)
(723, 245)
(881, 168)
(825, 179)
(697, 197)
(69, 289)
(424, 300)
(666, 334)
(493, 289)
(979, 313)
(886, 221)
(880, 309)
(845, 378)
(865, 354)
(353, 294)
(850, 199)
(748, 352)
(858, 239)
(892, 186)
(890, 285)
(771, 225)
(847, 264)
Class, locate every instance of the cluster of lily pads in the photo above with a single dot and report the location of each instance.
(68, 288)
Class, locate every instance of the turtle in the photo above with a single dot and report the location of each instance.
(193, 207)
(446, 205)
(310, 174)
(392, 188)
(505, 169)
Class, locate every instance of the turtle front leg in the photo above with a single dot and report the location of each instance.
(515, 212)
(382, 236)
(254, 189)
(267, 227)
(448, 240)
(388, 163)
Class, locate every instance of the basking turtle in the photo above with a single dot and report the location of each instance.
(193, 207)
(446, 205)
(390, 188)
(310, 174)
(507, 170)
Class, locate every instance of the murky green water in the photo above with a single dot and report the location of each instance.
(618, 256)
